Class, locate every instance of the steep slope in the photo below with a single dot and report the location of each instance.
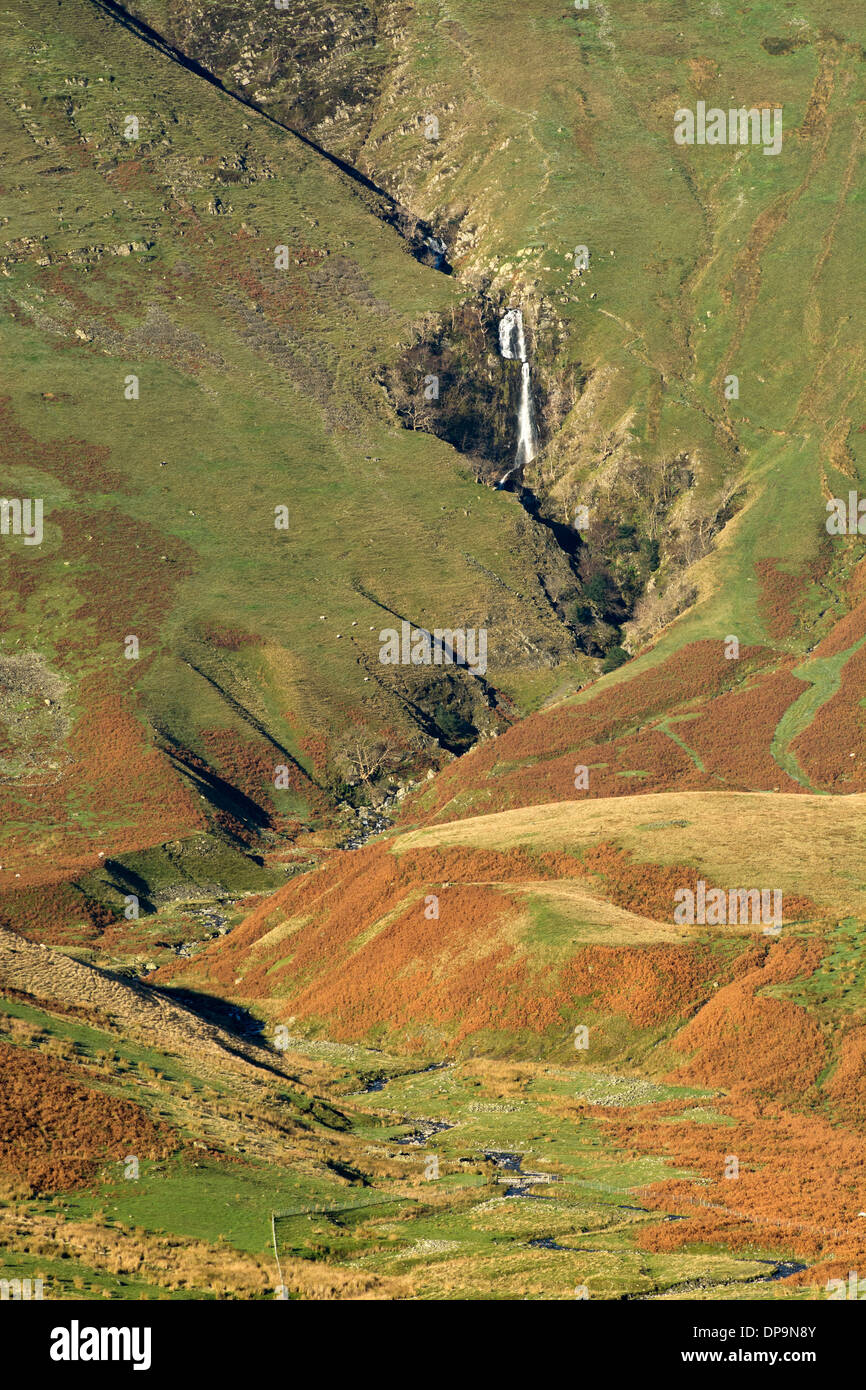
(245, 715)
(489, 930)
(231, 512)
(698, 711)
(144, 1150)
(707, 356)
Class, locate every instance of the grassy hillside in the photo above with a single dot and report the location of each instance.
(257, 646)
(703, 262)
(479, 1056)
(524, 904)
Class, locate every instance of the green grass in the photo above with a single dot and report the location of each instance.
(824, 675)
(70, 1279)
(452, 1233)
(205, 1200)
(249, 409)
(476, 1244)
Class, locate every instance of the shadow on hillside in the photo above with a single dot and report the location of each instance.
(232, 1019)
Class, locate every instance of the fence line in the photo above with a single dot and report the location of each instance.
(326, 1211)
(276, 1252)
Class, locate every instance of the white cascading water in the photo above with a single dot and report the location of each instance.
(512, 345)
(438, 247)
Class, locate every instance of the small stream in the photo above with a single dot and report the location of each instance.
(784, 1269)
(378, 1083)
(424, 1133)
(426, 1129)
(513, 1163)
(370, 824)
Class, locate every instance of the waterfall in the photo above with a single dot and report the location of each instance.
(438, 247)
(511, 340)
(525, 428)
(512, 345)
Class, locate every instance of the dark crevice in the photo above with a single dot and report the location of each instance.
(250, 719)
(566, 537)
(442, 711)
(453, 381)
(218, 792)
